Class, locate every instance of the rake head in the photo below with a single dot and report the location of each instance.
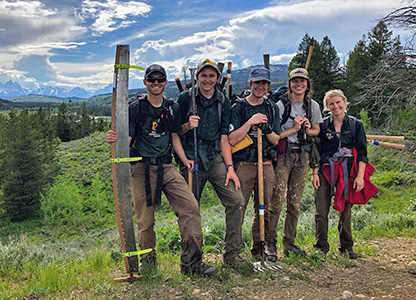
(261, 266)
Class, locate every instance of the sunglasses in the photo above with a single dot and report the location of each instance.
(153, 79)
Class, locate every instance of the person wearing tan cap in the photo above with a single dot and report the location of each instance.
(214, 152)
(300, 119)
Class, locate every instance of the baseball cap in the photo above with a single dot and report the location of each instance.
(258, 74)
(298, 72)
(154, 68)
(207, 63)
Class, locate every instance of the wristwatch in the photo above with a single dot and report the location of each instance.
(228, 166)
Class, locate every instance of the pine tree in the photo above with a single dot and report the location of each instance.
(85, 121)
(22, 164)
(63, 123)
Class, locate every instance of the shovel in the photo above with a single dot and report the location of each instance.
(262, 265)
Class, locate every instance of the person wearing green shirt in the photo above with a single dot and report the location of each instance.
(154, 126)
(215, 163)
(336, 144)
(246, 116)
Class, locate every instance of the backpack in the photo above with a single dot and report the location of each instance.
(143, 113)
(288, 109)
(243, 110)
(352, 121)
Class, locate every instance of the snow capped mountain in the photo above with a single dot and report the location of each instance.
(106, 90)
(12, 89)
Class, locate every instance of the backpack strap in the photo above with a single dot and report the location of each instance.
(287, 109)
(142, 113)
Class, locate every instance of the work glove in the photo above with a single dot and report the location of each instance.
(265, 127)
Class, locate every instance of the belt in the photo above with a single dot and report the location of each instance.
(266, 163)
(295, 150)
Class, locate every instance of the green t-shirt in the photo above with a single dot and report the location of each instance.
(153, 127)
(250, 110)
(209, 129)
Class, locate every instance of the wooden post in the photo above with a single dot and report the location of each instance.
(120, 149)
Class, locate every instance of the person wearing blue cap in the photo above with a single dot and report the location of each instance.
(248, 114)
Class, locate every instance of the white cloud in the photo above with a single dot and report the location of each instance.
(276, 30)
(282, 58)
(111, 15)
(29, 9)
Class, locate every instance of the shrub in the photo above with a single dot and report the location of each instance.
(62, 203)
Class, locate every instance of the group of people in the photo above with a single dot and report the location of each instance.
(228, 159)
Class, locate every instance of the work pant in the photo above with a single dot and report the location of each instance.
(248, 175)
(322, 204)
(231, 199)
(290, 181)
(183, 203)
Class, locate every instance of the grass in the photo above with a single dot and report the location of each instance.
(59, 255)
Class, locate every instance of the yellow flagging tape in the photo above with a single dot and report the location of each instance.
(117, 66)
(125, 159)
(137, 253)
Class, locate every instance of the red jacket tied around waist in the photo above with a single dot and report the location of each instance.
(354, 197)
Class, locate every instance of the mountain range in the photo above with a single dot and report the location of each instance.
(13, 89)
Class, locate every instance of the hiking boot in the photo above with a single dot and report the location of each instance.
(201, 269)
(147, 263)
(293, 249)
(320, 250)
(271, 250)
(237, 262)
(351, 253)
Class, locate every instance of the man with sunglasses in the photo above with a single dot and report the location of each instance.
(154, 124)
(214, 152)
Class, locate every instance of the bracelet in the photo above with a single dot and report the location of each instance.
(228, 166)
(314, 173)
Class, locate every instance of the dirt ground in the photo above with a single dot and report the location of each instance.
(382, 275)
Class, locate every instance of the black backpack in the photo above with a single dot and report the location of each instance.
(288, 109)
(143, 113)
(352, 124)
(243, 110)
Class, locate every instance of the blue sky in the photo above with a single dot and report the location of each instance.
(72, 43)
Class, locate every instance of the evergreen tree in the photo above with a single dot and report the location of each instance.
(63, 123)
(48, 147)
(22, 165)
(371, 56)
(85, 121)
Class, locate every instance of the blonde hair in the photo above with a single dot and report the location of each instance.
(335, 93)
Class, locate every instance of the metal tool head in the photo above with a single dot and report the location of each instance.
(261, 266)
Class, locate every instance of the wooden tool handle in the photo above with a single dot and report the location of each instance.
(260, 182)
(387, 145)
(308, 60)
(385, 137)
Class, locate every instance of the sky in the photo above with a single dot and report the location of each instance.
(72, 43)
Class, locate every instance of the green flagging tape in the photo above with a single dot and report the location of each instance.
(117, 66)
(137, 253)
(125, 159)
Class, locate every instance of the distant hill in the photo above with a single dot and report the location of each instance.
(239, 79)
(7, 104)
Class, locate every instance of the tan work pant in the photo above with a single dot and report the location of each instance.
(183, 203)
